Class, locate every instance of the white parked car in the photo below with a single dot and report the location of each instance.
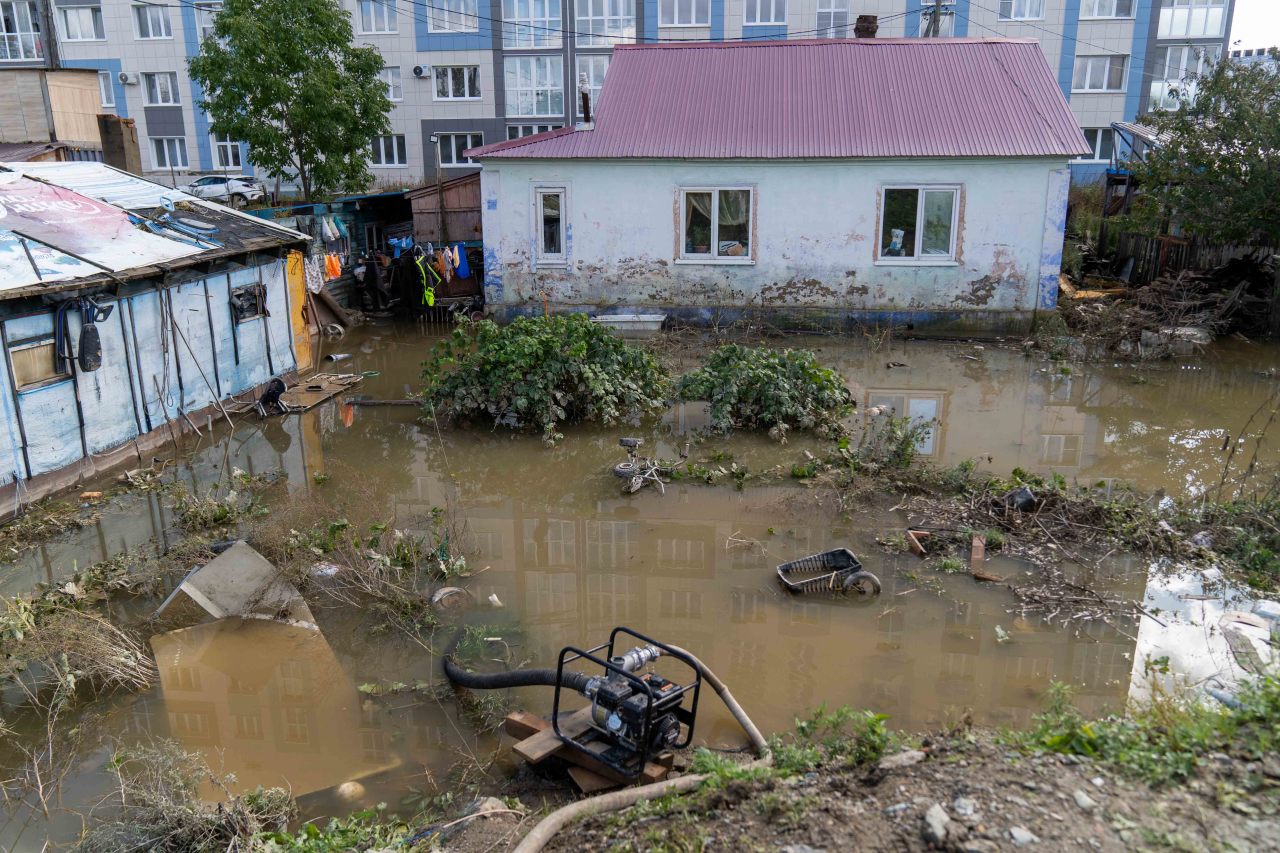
(228, 189)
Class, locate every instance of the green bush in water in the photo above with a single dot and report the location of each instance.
(541, 373)
(777, 390)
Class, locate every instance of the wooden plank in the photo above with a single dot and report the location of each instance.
(522, 724)
(589, 782)
(543, 745)
(977, 552)
(913, 540)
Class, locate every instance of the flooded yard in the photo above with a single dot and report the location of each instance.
(550, 537)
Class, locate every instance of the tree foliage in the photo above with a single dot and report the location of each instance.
(542, 372)
(1217, 172)
(283, 76)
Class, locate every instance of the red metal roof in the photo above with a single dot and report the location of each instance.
(820, 99)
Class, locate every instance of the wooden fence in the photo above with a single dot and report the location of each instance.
(1155, 256)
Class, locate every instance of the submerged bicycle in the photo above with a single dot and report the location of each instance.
(638, 471)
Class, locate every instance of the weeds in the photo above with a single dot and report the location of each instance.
(370, 829)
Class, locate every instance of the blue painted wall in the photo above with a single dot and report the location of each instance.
(1067, 62)
(427, 41)
(1138, 58)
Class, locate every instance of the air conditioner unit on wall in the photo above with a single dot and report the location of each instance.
(128, 78)
(419, 71)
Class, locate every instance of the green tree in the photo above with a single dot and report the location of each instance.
(1216, 172)
(283, 76)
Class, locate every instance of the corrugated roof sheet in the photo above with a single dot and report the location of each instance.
(103, 182)
(820, 99)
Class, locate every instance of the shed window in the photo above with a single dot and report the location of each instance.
(248, 303)
(918, 223)
(550, 212)
(35, 362)
(716, 224)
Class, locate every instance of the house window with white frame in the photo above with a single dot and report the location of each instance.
(205, 13)
(169, 152)
(82, 23)
(1102, 142)
(1021, 10)
(534, 85)
(453, 144)
(389, 151)
(226, 152)
(20, 36)
(918, 223)
(519, 131)
(764, 12)
(715, 224)
(457, 82)
(106, 89)
(161, 89)
(377, 16)
(833, 19)
(1181, 19)
(1106, 9)
(549, 209)
(152, 22)
(1175, 71)
(531, 23)
(390, 77)
(1099, 73)
(684, 13)
(453, 16)
(594, 66)
(604, 23)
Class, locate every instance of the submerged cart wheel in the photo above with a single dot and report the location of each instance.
(625, 470)
(864, 583)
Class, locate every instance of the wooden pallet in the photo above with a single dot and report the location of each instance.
(537, 742)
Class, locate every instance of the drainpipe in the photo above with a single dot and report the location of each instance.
(866, 26)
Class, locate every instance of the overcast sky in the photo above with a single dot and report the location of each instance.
(1256, 24)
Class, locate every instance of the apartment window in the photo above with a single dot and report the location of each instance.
(453, 16)
(152, 22)
(106, 89)
(765, 12)
(82, 23)
(946, 24)
(918, 223)
(519, 131)
(161, 88)
(205, 13)
(226, 152)
(833, 19)
(1099, 74)
(297, 725)
(535, 85)
(1192, 18)
(457, 82)
(684, 13)
(248, 726)
(20, 30)
(1106, 9)
(390, 151)
(377, 16)
(169, 152)
(390, 78)
(549, 209)
(35, 362)
(1175, 70)
(1102, 142)
(604, 23)
(530, 23)
(594, 67)
(716, 224)
(453, 144)
(1021, 10)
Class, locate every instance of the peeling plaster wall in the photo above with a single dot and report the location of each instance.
(816, 226)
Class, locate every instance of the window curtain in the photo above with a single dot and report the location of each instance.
(735, 207)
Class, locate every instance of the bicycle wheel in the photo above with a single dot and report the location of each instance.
(864, 583)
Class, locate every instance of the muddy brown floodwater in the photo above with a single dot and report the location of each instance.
(570, 557)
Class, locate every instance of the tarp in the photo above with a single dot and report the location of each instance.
(59, 225)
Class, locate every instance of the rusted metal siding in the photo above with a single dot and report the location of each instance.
(863, 98)
(461, 208)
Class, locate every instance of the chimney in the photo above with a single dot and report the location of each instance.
(584, 98)
(865, 27)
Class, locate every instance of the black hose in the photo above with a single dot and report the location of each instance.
(512, 678)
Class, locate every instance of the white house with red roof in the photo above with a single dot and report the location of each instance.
(888, 181)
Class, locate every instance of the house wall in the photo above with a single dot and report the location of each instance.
(816, 239)
(165, 350)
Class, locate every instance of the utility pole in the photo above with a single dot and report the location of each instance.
(935, 20)
(444, 233)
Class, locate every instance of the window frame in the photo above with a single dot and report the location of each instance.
(1097, 145)
(532, 128)
(145, 10)
(435, 83)
(1012, 4)
(591, 58)
(205, 13)
(919, 260)
(530, 31)
(833, 8)
(468, 10)
(95, 18)
(109, 79)
(61, 368)
(541, 257)
(714, 256)
(1109, 58)
(172, 77)
(179, 148)
(675, 22)
(29, 42)
(1171, 8)
(466, 163)
(759, 6)
(392, 87)
(378, 144)
(390, 17)
(551, 59)
(607, 28)
(1115, 4)
(216, 147)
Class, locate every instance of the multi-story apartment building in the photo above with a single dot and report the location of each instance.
(472, 71)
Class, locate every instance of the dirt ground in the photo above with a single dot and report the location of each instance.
(963, 793)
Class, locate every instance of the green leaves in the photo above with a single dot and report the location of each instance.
(282, 76)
